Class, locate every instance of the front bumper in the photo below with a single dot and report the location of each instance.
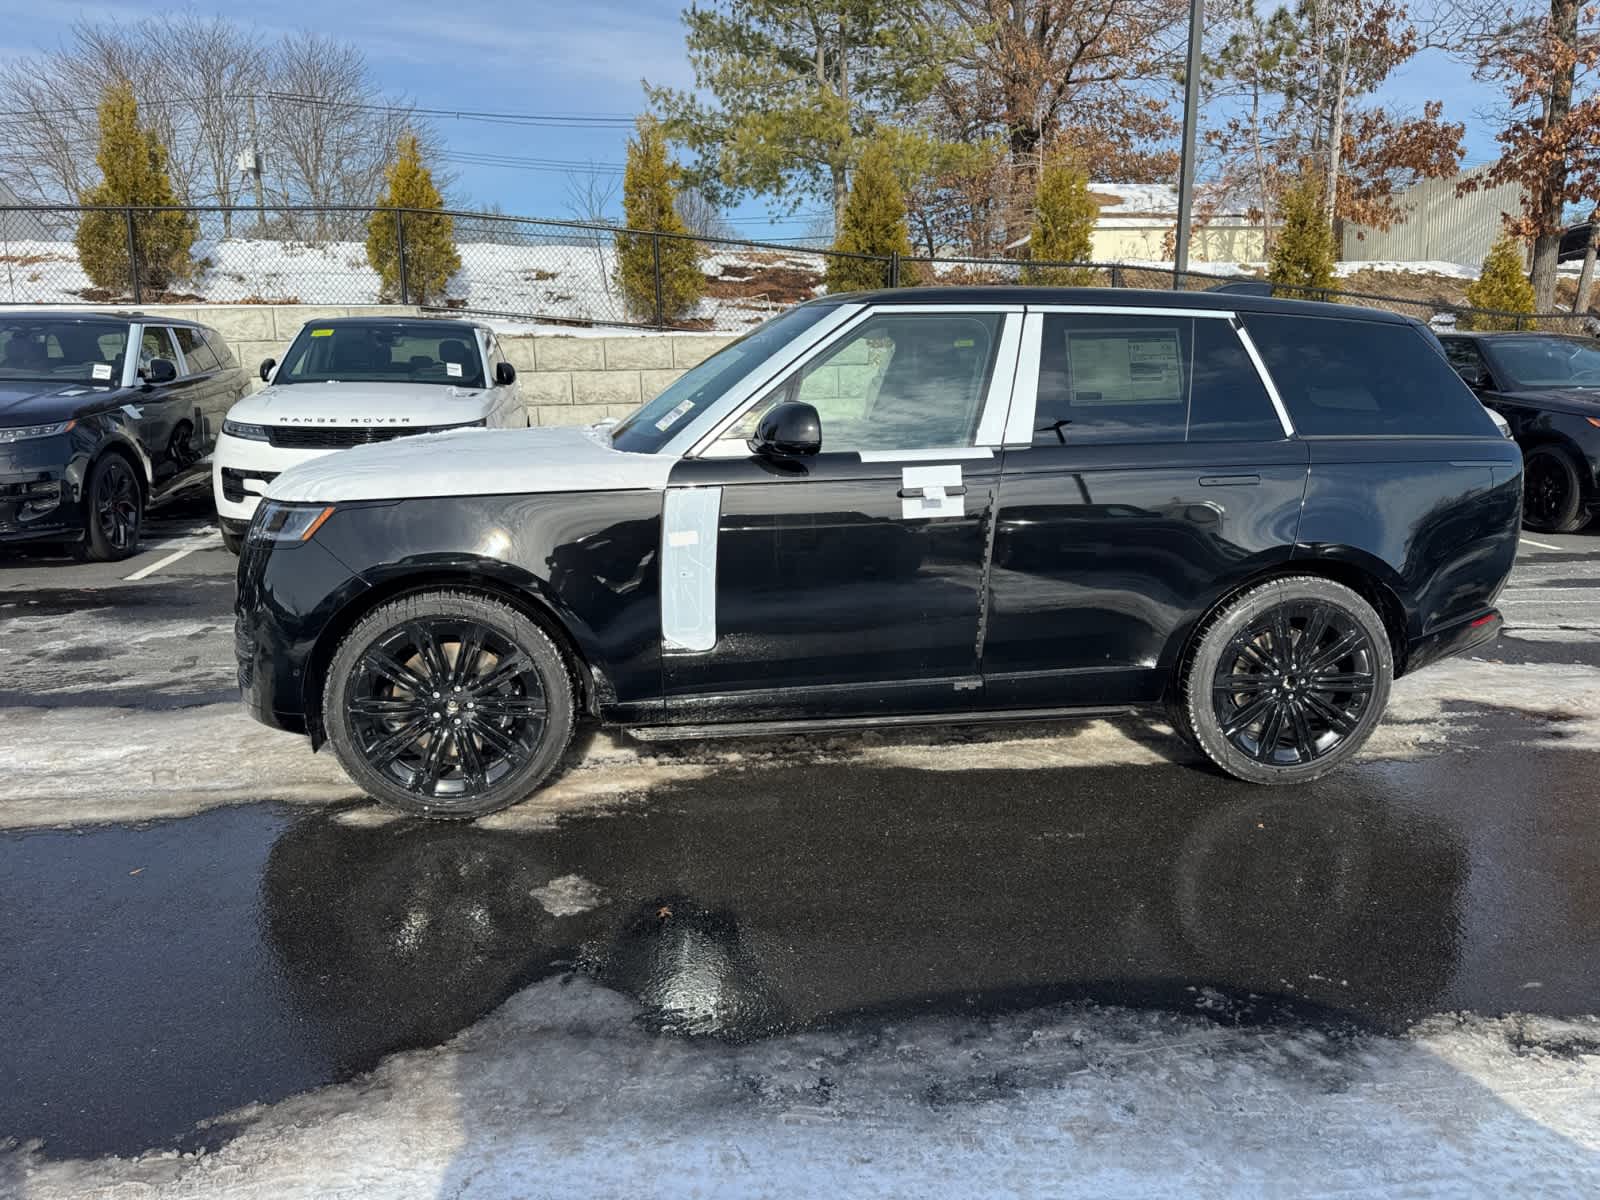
(41, 491)
(241, 470)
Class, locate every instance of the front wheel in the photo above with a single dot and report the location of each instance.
(1552, 491)
(1288, 681)
(114, 509)
(448, 705)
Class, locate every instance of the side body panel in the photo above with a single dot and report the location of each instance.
(1533, 425)
(1434, 519)
(1105, 555)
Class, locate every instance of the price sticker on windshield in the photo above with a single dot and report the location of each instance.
(453, 370)
(100, 371)
(673, 417)
(322, 333)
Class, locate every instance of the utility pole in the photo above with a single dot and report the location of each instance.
(254, 166)
(1191, 113)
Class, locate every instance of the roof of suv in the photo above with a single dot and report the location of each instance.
(102, 316)
(379, 322)
(1115, 297)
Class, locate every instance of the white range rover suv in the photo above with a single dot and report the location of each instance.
(354, 381)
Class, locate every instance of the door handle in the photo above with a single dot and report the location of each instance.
(916, 493)
(1229, 480)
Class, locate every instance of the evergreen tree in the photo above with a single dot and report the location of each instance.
(430, 250)
(1064, 216)
(649, 202)
(133, 165)
(1502, 285)
(1303, 255)
(874, 223)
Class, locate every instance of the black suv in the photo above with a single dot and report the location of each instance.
(101, 413)
(900, 508)
(1547, 387)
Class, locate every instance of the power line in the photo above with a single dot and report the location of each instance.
(547, 120)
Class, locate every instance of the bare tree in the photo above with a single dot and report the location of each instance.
(701, 214)
(590, 199)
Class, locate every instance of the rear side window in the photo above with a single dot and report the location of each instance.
(1364, 379)
(220, 349)
(197, 356)
(1109, 378)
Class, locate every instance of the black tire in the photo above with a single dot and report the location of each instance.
(1265, 707)
(398, 700)
(113, 510)
(231, 542)
(1552, 491)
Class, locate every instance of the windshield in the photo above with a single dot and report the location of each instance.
(388, 353)
(1546, 362)
(68, 351)
(649, 428)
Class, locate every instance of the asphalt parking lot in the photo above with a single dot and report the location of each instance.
(212, 950)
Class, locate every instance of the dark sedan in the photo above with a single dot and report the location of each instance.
(1547, 387)
(100, 414)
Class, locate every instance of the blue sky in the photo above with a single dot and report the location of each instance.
(560, 58)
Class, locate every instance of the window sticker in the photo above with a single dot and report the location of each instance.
(673, 417)
(965, 343)
(322, 333)
(1108, 367)
(453, 370)
(100, 371)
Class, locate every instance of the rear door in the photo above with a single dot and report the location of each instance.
(211, 391)
(848, 583)
(164, 412)
(1146, 469)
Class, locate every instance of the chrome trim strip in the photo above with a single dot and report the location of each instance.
(933, 454)
(997, 401)
(1266, 379)
(1025, 388)
(1133, 310)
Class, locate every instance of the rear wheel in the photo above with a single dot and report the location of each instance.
(448, 705)
(115, 510)
(1552, 491)
(1288, 681)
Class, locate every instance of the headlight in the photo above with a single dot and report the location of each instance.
(240, 429)
(287, 522)
(22, 433)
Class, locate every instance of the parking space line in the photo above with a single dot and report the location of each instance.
(1541, 545)
(199, 544)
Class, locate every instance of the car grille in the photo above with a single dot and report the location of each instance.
(233, 482)
(340, 437)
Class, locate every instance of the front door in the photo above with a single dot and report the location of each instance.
(1158, 475)
(848, 583)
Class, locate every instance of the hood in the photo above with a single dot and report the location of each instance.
(362, 404)
(34, 403)
(473, 462)
(1585, 402)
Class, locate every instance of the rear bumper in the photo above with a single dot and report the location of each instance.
(1454, 639)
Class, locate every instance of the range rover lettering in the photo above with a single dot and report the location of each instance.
(102, 414)
(945, 505)
(354, 381)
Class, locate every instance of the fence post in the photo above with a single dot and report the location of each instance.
(400, 250)
(655, 260)
(1116, 275)
(894, 268)
(133, 255)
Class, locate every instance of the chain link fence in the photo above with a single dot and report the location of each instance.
(532, 269)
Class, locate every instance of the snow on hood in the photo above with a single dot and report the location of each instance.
(473, 462)
(362, 404)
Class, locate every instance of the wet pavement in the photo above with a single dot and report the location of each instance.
(165, 972)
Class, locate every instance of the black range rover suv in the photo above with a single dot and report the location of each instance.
(896, 508)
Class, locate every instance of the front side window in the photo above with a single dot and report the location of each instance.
(68, 351)
(1121, 378)
(896, 382)
(1547, 362)
(388, 353)
(1344, 378)
(156, 343)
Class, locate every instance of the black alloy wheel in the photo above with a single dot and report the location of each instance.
(1288, 681)
(115, 510)
(1552, 491)
(448, 705)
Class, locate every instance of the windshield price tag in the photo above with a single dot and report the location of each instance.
(100, 371)
(673, 417)
(322, 333)
(453, 370)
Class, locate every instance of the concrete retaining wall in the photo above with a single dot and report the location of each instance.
(564, 379)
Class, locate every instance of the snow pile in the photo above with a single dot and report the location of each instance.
(1449, 270)
(561, 1092)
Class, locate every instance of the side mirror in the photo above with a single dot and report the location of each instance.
(504, 373)
(266, 369)
(788, 430)
(1475, 378)
(160, 370)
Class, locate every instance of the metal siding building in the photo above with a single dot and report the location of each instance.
(1437, 225)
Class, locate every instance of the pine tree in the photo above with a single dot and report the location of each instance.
(874, 223)
(649, 203)
(430, 250)
(133, 165)
(1303, 255)
(1064, 216)
(1502, 285)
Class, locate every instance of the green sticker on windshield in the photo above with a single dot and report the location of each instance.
(964, 343)
(322, 333)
